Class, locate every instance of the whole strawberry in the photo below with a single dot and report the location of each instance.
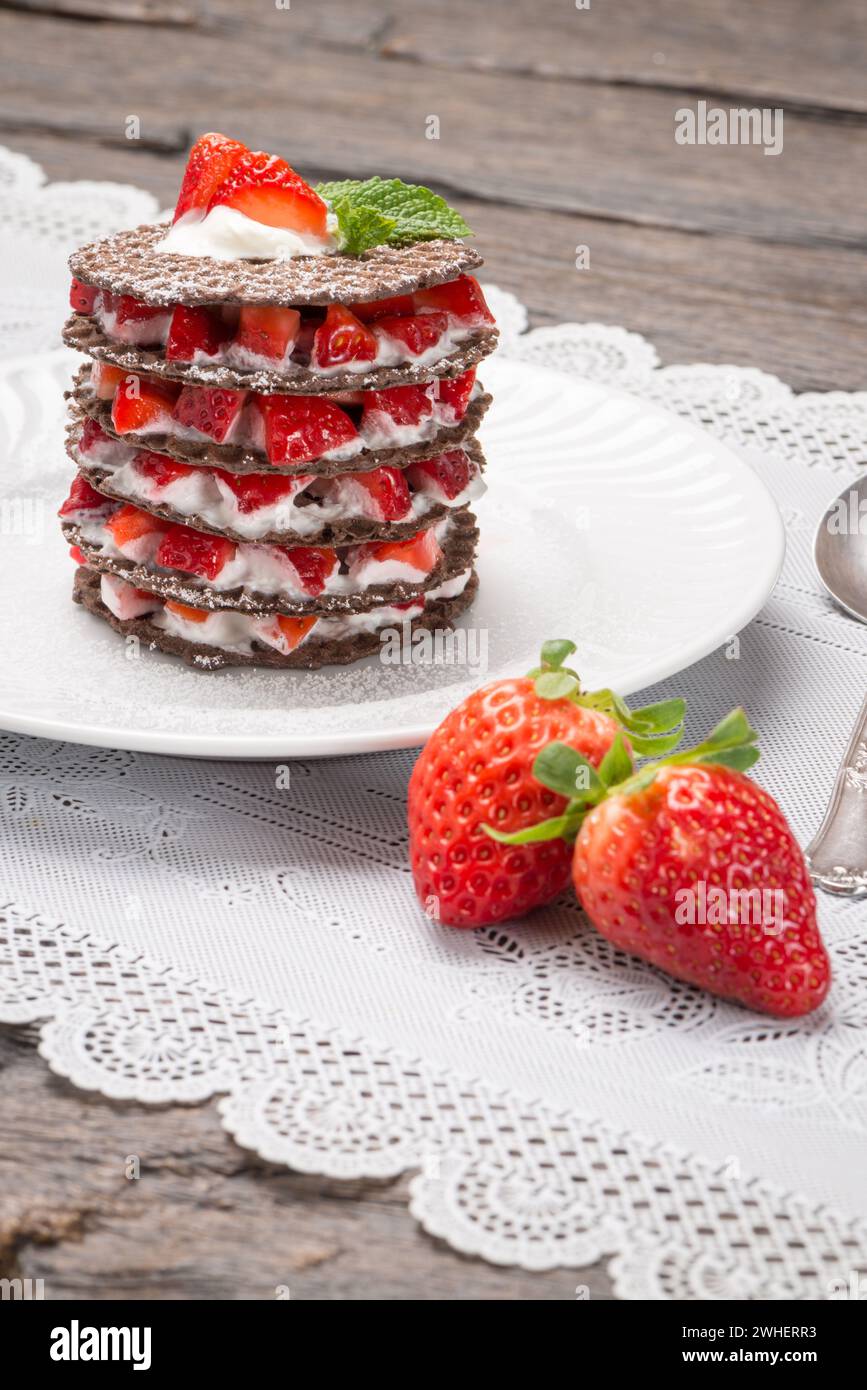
(694, 868)
(477, 768)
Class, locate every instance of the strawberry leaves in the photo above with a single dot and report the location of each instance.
(652, 731)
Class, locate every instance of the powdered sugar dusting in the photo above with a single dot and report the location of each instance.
(130, 263)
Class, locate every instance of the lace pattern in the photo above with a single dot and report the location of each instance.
(559, 1101)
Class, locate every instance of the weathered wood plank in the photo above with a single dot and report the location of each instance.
(779, 51)
(128, 11)
(560, 145)
(205, 1220)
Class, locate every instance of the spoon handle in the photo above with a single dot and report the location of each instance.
(837, 856)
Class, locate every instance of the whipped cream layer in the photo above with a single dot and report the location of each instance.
(376, 428)
(270, 570)
(305, 508)
(391, 351)
(231, 631)
(225, 234)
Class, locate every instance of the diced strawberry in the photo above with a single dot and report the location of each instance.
(159, 468)
(76, 554)
(313, 565)
(194, 552)
(82, 498)
(342, 338)
(210, 161)
(92, 434)
(388, 490)
(299, 428)
(105, 379)
(417, 332)
(454, 392)
(450, 472)
(410, 603)
(210, 410)
(127, 309)
(195, 329)
(374, 309)
(142, 402)
(124, 600)
(406, 405)
(130, 524)
(82, 297)
(255, 490)
(268, 190)
(421, 552)
(189, 615)
(461, 299)
(294, 629)
(267, 331)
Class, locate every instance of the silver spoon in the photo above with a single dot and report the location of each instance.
(837, 856)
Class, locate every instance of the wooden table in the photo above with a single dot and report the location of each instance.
(556, 130)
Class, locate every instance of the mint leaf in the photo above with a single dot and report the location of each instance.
(390, 211)
(360, 227)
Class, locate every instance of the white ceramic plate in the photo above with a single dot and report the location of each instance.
(606, 520)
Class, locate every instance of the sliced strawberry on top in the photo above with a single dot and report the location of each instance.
(82, 498)
(82, 297)
(371, 310)
(194, 552)
(210, 161)
(194, 329)
(78, 555)
(255, 490)
(454, 393)
(421, 552)
(268, 190)
(450, 473)
(136, 533)
(142, 403)
(105, 379)
(461, 299)
(300, 428)
(314, 565)
(159, 468)
(342, 338)
(92, 435)
(388, 491)
(267, 331)
(405, 405)
(416, 332)
(295, 629)
(210, 410)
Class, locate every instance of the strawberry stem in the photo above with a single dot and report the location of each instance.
(564, 770)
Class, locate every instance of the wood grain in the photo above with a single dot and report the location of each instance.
(780, 51)
(565, 146)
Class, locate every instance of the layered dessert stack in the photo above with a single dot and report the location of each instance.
(275, 434)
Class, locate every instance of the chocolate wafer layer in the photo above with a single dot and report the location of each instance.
(85, 335)
(352, 530)
(130, 263)
(458, 546)
(235, 459)
(438, 614)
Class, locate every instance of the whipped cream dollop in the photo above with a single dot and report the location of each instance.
(225, 234)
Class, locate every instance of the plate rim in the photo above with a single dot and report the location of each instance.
(245, 748)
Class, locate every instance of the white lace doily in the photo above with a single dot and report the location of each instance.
(182, 930)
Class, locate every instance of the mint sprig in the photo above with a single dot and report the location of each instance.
(378, 212)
